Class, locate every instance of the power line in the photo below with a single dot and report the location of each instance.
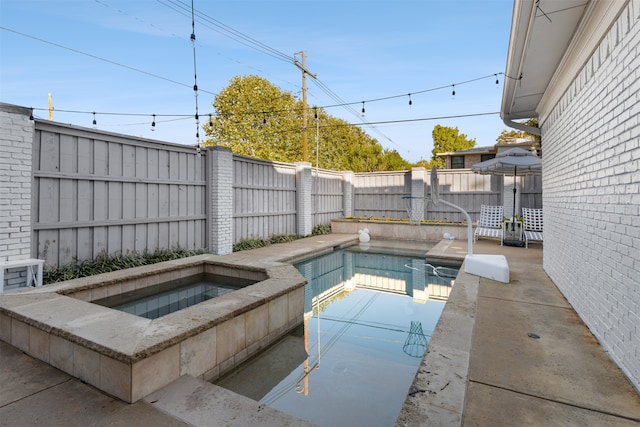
(223, 29)
(139, 20)
(100, 58)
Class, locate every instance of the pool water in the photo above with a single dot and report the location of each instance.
(159, 300)
(368, 319)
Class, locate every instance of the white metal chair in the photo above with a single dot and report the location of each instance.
(532, 225)
(490, 223)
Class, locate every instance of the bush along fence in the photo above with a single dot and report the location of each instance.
(75, 194)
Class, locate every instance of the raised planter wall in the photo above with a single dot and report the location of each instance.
(396, 230)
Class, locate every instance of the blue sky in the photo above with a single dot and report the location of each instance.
(360, 50)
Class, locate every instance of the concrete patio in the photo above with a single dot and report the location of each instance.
(513, 354)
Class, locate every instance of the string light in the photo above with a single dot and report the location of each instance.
(410, 103)
(184, 116)
(497, 81)
(153, 123)
(453, 92)
(195, 76)
(94, 119)
(362, 108)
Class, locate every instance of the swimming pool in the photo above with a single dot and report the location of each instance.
(368, 319)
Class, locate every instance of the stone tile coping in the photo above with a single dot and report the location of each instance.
(61, 309)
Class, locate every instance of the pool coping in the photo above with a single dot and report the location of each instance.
(438, 390)
(128, 356)
(437, 394)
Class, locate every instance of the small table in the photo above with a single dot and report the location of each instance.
(28, 263)
(512, 233)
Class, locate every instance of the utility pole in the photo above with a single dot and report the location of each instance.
(303, 68)
(50, 107)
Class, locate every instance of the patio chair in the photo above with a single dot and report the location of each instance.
(532, 225)
(490, 223)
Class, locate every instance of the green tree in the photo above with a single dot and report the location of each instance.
(506, 135)
(424, 164)
(342, 146)
(257, 119)
(447, 139)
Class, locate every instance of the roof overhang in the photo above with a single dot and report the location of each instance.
(550, 42)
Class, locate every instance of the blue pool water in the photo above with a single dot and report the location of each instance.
(159, 300)
(368, 319)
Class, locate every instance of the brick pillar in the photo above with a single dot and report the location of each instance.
(347, 198)
(418, 176)
(219, 200)
(16, 140)
(304, 187)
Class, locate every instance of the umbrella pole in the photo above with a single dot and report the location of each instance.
(513, 213)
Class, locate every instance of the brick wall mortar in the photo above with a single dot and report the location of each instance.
(591, 193)
(304, 188)
(220, 196)
(15, 183)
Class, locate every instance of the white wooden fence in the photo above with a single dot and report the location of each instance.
(96, 192)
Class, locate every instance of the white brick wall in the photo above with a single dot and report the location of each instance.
(591, 193)
(347, 200)
(418, 178)
(220, 194)
(304, 188)
(16, 137)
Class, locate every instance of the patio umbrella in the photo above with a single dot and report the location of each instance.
(515, 161)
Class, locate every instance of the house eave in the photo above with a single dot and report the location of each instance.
(541, 32)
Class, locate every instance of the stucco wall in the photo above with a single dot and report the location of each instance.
(591, 192)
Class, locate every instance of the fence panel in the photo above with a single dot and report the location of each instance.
(531, 192)
(264, 198)
(466, 189)
(97, 192)
(380, 194)
(327, 194)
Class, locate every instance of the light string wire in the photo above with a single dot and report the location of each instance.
(195, 74)
(339, 103)
(137, 70)
(156, 27)
(182, 8)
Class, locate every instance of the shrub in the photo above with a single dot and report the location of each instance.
(105, 263)
(321, 229)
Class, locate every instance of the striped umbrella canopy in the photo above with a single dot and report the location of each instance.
(515, 161)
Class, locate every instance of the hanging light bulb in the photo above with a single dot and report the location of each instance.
(31, 115)
(210, 121)
(94, 120)
(453, 93)
(497, 81)
(410, 103)
(153, 123)
(362, 108)
(315, 113)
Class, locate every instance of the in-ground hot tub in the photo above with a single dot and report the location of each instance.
(129, 356)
